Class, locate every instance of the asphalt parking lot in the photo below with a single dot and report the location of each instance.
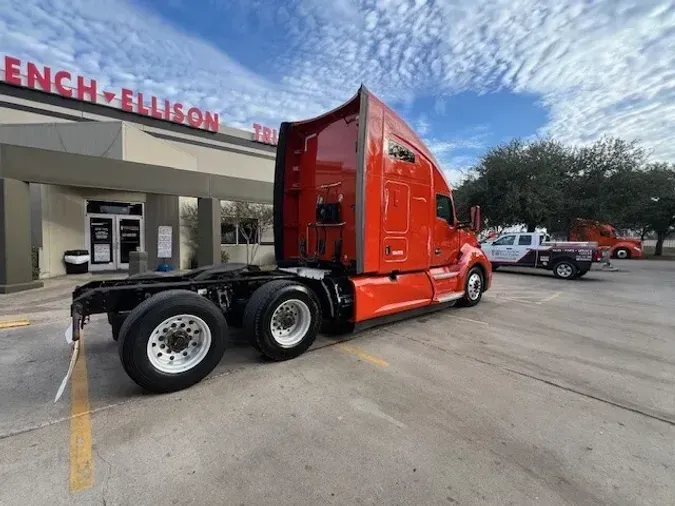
(548, 392)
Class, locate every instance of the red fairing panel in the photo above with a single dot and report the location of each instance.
(317, 162)
(351, 157)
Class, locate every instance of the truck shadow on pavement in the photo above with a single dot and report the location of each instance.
(110, 385)
(590, 277)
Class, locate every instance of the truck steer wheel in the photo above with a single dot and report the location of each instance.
(473, 288)
(172, 340)
(565, 270)
(282, 319)
(622, 253)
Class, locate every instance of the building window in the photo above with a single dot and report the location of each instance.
(245, 232)
(228, 233)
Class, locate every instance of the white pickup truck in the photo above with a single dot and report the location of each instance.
(567, 260)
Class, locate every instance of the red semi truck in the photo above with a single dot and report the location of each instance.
(365, 233)
(605, 235)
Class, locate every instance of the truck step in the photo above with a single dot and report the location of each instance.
(447, 297)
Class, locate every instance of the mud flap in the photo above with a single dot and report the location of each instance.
(74, 355)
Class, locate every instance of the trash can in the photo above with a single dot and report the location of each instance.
(77, 261)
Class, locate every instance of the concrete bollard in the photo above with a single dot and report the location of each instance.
(138, 262)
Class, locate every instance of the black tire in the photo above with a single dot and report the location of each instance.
(565, 269)
(475, 275)
(260, 309)
(622, 253)
(139, 325)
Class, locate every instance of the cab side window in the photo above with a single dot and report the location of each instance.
(524, 240)
(398, 152)
(444, 208)
(507, 240)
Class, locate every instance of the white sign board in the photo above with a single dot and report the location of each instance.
(164, 249)
(102, 253)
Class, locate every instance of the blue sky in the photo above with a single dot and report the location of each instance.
(467, 74)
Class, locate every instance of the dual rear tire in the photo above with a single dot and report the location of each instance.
(282, 319)
(176, 338)
(172, 340)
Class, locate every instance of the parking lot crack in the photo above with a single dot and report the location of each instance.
(107, 479)
(545, 381)
(584, 394)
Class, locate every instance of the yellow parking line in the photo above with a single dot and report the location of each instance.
(363, 355)
(81, 463)
(551, 297)
(478, 322)
(14, 323)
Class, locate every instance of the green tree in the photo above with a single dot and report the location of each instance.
(252, 220)
(545, 183)
(601, 179)
(519, 182)
(653, 208)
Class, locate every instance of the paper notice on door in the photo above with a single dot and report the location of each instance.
(101, 253)
(164, 249)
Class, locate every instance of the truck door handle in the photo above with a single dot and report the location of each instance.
(437, 251)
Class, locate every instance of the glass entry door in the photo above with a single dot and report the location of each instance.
(101, 231)
(111, 238)
(129, 238)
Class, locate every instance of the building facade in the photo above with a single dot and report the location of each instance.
(112, 171)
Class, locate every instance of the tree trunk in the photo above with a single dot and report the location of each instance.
(660, 237)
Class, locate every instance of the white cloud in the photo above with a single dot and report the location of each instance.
(422, 125)
(600, 67)
(122, 46)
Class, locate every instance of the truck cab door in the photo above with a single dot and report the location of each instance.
(444, 270)
(525, 250)
(445, 245)
(501, 251)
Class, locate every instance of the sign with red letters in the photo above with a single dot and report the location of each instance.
(67, 84)
(264, 134)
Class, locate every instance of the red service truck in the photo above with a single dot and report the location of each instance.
(365, 232)
(606, 236)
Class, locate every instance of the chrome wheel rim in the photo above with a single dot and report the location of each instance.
(622, 253)
(474, 286)
(290, 322)
(564, 270)
(179, 344)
